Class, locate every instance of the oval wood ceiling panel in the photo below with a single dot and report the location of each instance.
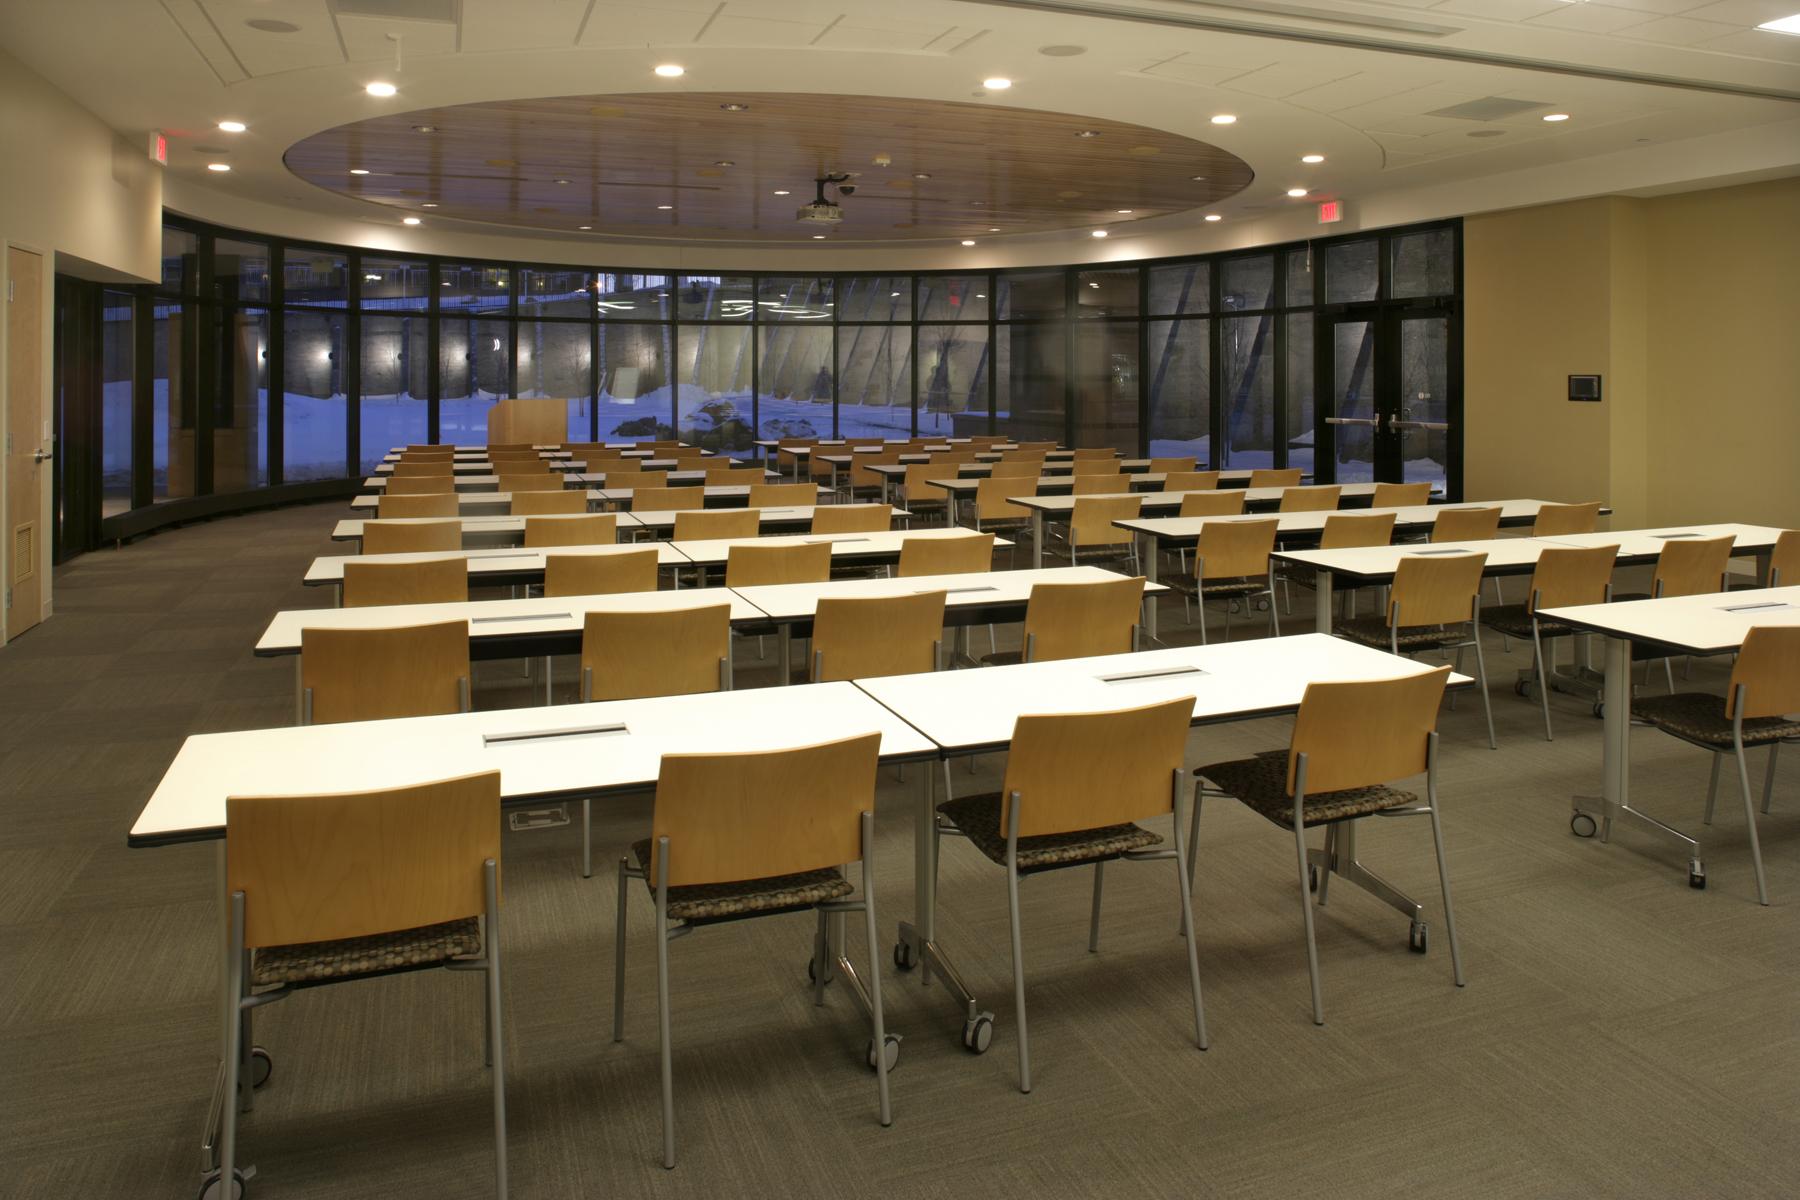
(689, 166)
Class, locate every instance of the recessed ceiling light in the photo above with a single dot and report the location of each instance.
(1198, 178)
(993, 229)
(1224, 119)
(1296, 193)
(664, 207)
(1556, 116)
(233, 126)
(381, 89)
(1214, 217)
(584, 228)
(429, 204)
(264, 25)
(818, 237)
(998, 83)
(783, 192)
(1088, 133)
(562, 181)
(671, 71)
(424, 128)
(1312, 158)
(1787, 25)
(1122, 211)
(411, 221)
(1061, 51)
(893, 295)
(1092, 284)
(219, 167)
(920, 175)
(968, 241)
(359, 170)
(734, 106)
(724, 162)
(981, 295)
(1099, 233)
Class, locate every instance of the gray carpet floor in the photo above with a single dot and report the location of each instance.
(1620, 1034)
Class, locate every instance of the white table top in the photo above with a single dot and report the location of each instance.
(844, 546)
(1413, 516)
(1648, 543)
(330, 568)
(1708, 624)
(189, 803)
(496, 527)
(677, 478)
(495, 618)
(772, 515)
(1162, 500)
(461, 448)
(482, 466)
(981, 589)
(468, 502)
(965, 711)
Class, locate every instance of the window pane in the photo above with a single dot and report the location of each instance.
(1299, 278)
(240, 271)
(1247, 375)
(553, 361)
(1424, 263)
(636, 402)
(881, 298)
(632, 297)
(875, 377)
(1031, 294)
(472, 374)
(1353, 395)
(794, 374)
(1106, 385)
(1352, 271)
(1107, 292)
(117, 346)
(1180, 289)
(314, 403)
(716, 297)
(395, 369)
(953, 380)
(172, 405)
(1028, 382)
(802, 298)
(395, 285)
(241, 402)
(551, 293)
(468, 287)
(313, 277)
(714, 407)
(1248, 283)
(179, 273)
(1181, 388)
(955, 298)
(1300, 385)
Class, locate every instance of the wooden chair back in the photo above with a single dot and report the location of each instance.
(725, 473)
(992, 495)
(325, 868)
(749, 564)
(437, 504)
(1768, 669)
(1088, 770)
(600, 574)
(1228, 503)
(519, 462)
(1345, 531)
(1400, 495)
(1095, 466)
(862, 477)
(1234, 549)
(705, 524)
(866, 636)
(1105, 483)
(505, 446)
(429, 581)
(427, 448)
(528, 481)
(382, 537)
(772, 812)
(539, 504)
(376, 674)
(420, 485)
(588, 529)
(1553, 519)
(674, 652)
(853, 518)
(1566, 576)
(1091, 520)
(1435, 591)
(1181, 463)
(1466, 524)
(959, 554)
(1784, 559)
(667, 499)
(414, 467)
(783, 495)
(628, 475)
(1021, 455)
(1309, 499)
(1692, 566)
(1190, 481)
(1283, 477)
(1360, 733)
(1080, 620)
(914, 489)
(1092, 453)
(1017, 468)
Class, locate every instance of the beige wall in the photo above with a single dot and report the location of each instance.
(1688, 305)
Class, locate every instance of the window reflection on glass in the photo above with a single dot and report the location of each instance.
(1106, 292)
(1301, 385)
(173, 403)
(1029, 374)
(1106, 385)
(117, 360)
(1025, 295)
(716, 298)
(1247, 377)
(1180, 289)
(474, 359)
(714, 408)
(314, 401)
(952, 380)
(548, 292)
(313, 277)
(240, 271)
(1424, 263)
(474, 288)
(794, 299)
(393, 409)
(395, 285)
(636, 403)
(1424, 398)
(1248, 283)
(876, 298)
(875, 379)
(624, 296)
(241, 402)
(1180, 370)
(1352, 271)
(1300, 278)
(1353, 399)
(794, 374)
(180, 274)
(956, 298)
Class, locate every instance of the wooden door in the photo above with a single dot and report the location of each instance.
(26, 448)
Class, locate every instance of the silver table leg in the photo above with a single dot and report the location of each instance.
(918, 938)
(1322, 585)
(1148, 558)
(1037, 539)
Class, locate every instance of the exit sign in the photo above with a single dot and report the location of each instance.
(159, 147)
(1330, 210)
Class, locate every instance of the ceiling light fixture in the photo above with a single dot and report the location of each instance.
(1296, 193)
(1198, 178)
(1099, 233)
(1556, 116)
(783, 192)
(1787, 25)
(359, 170)
(562, 181)
(1214, 217)
(1312, 158)
(998, 83)
(424, 128)
(429, 204)
(818, 237)
(734, 106)
(1123, 211)
(232, 126)
(381, 89)
(968, 241)
(219, 167)
(664, 207)
(724, 162)
(920, 175)
(1088, 133)
(1224, 119)
(411, 221)
(671, 71)
(993, 229)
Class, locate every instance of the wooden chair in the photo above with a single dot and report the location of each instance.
(541, 504)
(1091, 527)
(1757, 710)
(1343, 531)
(1270, 477)
(1018, 468)
(1078, 620)
(919, 497)
(1784, 560)
(1309, 499)
(958, 554)
(382, 537)
(1075, 787)
(376, 674)
(1094, 466)
(696, 525)
(540, 481)
(1104, 483)
(437, 504)
(428, 581)
(751, 564)
(1684, 567)
(783, 495)
(726, 474)
(853, 518)
(865, 482)
(1228, 503)
(667, 499)
(752, 834)
(1182, 464)
(588, 529)
(1231, 562)
(425, 450)
(1466, 524)
(1434, 604)
(626, 570)
(1094, 453)
(867, 636)
(1190, 481)
(994, 510)
(412, 467)
(627, 478)
(1564, 577)
(326, 889)
(1400, 495)
(1553, 519)
(419, 485)
(1351, 741)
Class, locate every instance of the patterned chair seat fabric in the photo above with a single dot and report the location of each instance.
(346, 958)
(706, 901)
(1373, 631)
(1514, 620)
(1261, 783)
(1700, 717)
(1185, 583)
(979, 819)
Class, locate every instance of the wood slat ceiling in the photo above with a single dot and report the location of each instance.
(624, 155)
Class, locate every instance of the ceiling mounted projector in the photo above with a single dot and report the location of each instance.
(822, 211)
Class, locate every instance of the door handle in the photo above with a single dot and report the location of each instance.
(1350, 421)
(38, 456)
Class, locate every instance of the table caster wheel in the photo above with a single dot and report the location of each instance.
(1599, 710)
(1312, 878)
(1583, 826)
(1697, 875)
(211, 1189)
(1418, 938)
(891, 1045)
(812, 973)
(905, 959)
(262, 1066)
(978, 1033)
(1520, 689)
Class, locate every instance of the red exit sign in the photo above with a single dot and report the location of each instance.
(158, 147)
(1330, 210)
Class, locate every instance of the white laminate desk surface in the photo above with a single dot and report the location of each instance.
(1647, 543)
(330, 568)
(799, 601)
(788, 514)
(1708, 624)
(1381, 562)
(482, 466)
(468, 502)
(845, 546)
(189, 802)
(496, 527)
(677, 478)
(495, 618)
(971, 710)
(1407, 516)
(1053, 505)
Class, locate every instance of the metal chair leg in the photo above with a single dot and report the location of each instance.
(619, 955)
(234, 1032)
(662, 1001)
(1769, 775)
(496, 1023)
(1018, 968)
(1437, 842)
(1712, 787)
(1094, 918)
(1183, 854)
(1487, 703)
(1543, 679)
(1306, 913)
(874, 941)
(587, 838)
(1762, 887)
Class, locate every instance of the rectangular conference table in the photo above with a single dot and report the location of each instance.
(973, 712)
(791, 518)
(500, 530)
(847, 549)
(488, 482)
(468, 503)
(482, 466)
(1714, 623)
(493, 568)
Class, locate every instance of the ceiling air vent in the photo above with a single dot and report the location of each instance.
(1488, 108)
(441, 11)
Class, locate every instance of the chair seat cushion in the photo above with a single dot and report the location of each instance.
(1003, 658)
(741, 897)
(1185, 582)
(979, 819)
(1513, 619)
(347, 958)
(1261, 783)
(1373, 631)
(1700, 717)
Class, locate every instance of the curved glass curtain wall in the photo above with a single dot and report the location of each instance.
(262, 363)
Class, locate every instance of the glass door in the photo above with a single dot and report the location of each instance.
(1354, 417)
(1390, 396)
(1418, 423)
